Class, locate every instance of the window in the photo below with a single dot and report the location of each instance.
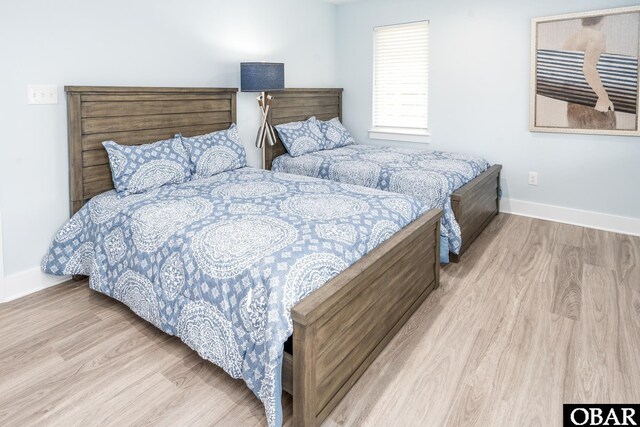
(400, 82)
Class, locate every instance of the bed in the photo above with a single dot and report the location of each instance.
(338, 328)
(473, 205)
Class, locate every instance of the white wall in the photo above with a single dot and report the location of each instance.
(142, 42)
(479, 101)
(2, 289)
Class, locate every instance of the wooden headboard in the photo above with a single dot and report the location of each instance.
(292, 105)
(134, 116)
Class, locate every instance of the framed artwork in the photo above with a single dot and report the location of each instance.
(584, 72)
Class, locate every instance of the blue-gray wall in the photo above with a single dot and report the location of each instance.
(479, 98)
(122, 42)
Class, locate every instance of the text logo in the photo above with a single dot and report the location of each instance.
(601, 415)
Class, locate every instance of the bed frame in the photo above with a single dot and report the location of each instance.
(474, 204)
(338, 330)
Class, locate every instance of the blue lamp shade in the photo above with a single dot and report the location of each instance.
(261, 76)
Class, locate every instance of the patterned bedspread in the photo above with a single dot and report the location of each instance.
(429, 176)
(220, 261)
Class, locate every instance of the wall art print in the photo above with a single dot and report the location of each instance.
(584, 74)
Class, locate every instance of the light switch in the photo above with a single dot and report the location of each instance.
(42, 94)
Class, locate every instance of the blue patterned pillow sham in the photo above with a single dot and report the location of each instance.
(301, 137)
(215, 152)
(335, 134)
(136, 169)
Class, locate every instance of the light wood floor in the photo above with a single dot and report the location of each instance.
(536, 314)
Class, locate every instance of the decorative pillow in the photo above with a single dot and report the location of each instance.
(301, 137)
(136, 169)
(215, 152)
(335, 134)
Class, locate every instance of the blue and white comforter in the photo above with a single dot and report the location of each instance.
(220, 261)
(429, 176)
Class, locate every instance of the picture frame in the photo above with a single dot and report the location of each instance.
(584, 73)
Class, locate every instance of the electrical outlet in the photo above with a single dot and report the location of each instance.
(533, 178)
(42, 94)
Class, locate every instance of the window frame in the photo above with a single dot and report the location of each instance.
(397, 133)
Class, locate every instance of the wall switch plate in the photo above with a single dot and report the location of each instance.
(42, 94)
(533, 178)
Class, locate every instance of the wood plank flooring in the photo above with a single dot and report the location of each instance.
(536, 314)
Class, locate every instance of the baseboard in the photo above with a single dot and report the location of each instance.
(589, 219)
(27, 282)
(1, 263)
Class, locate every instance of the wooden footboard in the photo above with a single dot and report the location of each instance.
(341, 328)
(474, 206)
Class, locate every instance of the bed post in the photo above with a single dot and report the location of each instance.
(304, 375)
(76, 188)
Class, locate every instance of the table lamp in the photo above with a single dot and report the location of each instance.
(262, 77)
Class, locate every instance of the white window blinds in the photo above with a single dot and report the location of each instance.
(400, 77)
